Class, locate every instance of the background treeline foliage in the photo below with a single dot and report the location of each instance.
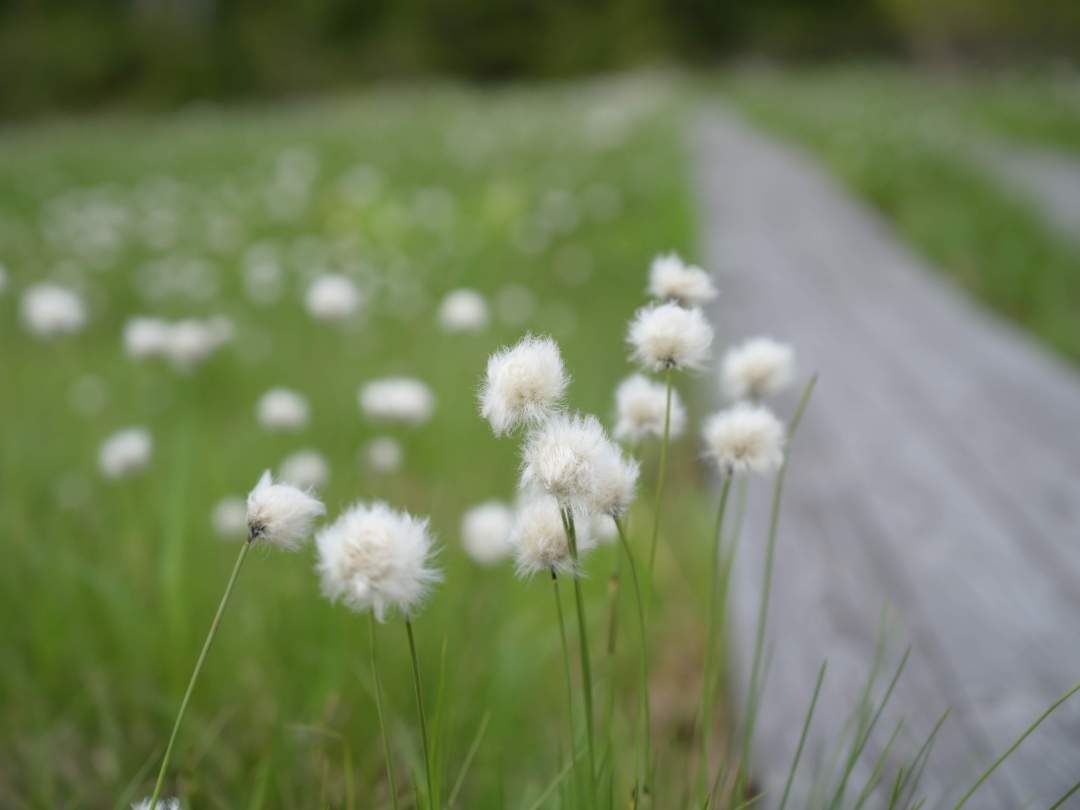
(78, 53)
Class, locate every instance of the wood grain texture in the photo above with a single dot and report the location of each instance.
(936, 476)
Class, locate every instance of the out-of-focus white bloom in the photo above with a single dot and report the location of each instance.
(282, 409)
(670, 279)
(125, 452)
(744, 437)
(281, 514)
(49, 309)
(523, 384)
(614, 482)
(562, 458)
(229, 517)
(146, 337)
(384, 454)
(667, 336)
(162, 804)
(603, 528)
(485, 532)
(192, 341)
(640, 407)
(397, 399)
(463, 311)
(306, 469)
(757, 368)
(539, 538)
(374, 557)
(332, 297)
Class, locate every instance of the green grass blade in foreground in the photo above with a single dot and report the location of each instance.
(382, 719)
(214, 625)
(569, 681)
(1061, 802)
(1019, 740)
(431, 795)
(879, 767)
(766, 588)
(469, 757)
(918, 764)
(802, 736)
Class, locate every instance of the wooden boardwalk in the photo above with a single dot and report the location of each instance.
(936, 474)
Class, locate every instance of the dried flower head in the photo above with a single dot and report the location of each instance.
(282, 409)
(332, 297)
(378, 558)
(523, 384)
(670, 279)
(561, 457)
(745, 437)
(666, 336)
(281, 514)
(640, 406)
(306, 469)
(614, 481)
(485, 532)
(49, 309)
(397, 399)
(229, 518)
(757, 368)
(539, 538)
(463, 311)
(125, 453)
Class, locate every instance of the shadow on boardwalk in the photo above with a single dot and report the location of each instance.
(936, 475)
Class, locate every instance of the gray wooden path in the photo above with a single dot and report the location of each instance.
(937, 473)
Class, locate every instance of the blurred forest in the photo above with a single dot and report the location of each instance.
(77, 54)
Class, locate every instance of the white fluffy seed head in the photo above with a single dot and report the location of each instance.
(463, 311)
(397, 399)
(49, 310)
(281, 514)
(282, 409)
(744, 438)
(125, 453)
(539, 539)
(374, 557)
(670, 279)
(640, 406)
(146, 337)
(485, 532)
(603, 529)
(383, 454)
(332, 297)
(306, 469)
(192, 341)
(614, 483)
(162, 804)
(523, 384)
(757, 368)
(667, 336)
(229, 518)
(561, 458)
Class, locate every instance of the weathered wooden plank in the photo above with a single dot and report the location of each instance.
(937, 473)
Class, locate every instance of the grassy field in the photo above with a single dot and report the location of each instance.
(110, 585)
(902, 142)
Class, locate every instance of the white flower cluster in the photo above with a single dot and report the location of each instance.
(333, 297)
(282, 409)
(464, 311)
(49, 310)
(126, 452)
(281, 514)
(397, 399)
(185, 343)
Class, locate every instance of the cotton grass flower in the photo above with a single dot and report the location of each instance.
(640, 404)
(463, 311)
(397, 399)
(667, 336)
(306, 469)
(670, 279)
(281, 409)
(539, 540)
(125, 453)
(523, 384)
(562, 458)
(744, 438)
(48, 310)
(146, 337)
(229, 518)
(332, 297)
(485, 532)
(603, 529)
(614, 481)
(280, 514)
(376, 558)
(383, 454)
(191, 341)
(757, 368)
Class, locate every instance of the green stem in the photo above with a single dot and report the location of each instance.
(420, 712)
(661, 471)
(382, 719)
(569, 680)
(646, 712)
(583, 642)
(1027, 732)
(710, 642)
(198, 668)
